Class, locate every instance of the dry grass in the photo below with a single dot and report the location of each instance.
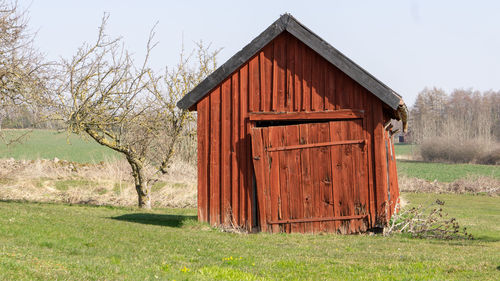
(467, 185)
(110, 183)
(105, 183)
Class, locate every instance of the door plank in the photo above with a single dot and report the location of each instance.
(267, 179)
(305, 176)
(315, 174)
(325, 177)
(274, 181)
(284, 197)
(258, 157)
(322, 219)
(313, 145)
(293, 163)
(336, 175)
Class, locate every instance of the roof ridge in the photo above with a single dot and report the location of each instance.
(285, 19)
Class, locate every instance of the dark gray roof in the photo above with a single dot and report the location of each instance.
(288, 23)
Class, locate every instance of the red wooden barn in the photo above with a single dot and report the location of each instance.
(293, 136)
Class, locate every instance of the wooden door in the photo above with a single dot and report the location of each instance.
(311, 177)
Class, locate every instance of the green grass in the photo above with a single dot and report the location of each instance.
(445, 172)
(47, 144)
(481, 214)
(404, 149)
(441, 172)
(55, 241)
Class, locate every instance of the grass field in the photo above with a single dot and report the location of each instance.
(47, 144)
(443, 172)
(404, 149)
(55, 241)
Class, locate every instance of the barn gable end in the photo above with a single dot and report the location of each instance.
(288, 23)
(287, 87)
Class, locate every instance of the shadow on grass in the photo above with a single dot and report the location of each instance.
(486, 238)
(156, 219)
(460, 242)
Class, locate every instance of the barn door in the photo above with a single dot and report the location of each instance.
(311, 177)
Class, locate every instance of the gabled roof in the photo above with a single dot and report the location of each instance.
(288, 23)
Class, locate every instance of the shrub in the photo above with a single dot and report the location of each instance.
(490, 157)
(455, 151)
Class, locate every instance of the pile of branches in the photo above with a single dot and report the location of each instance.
(428, 222)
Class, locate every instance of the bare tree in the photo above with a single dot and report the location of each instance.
(23, 73)
(103, 94)
(427, 114)
(463, 115)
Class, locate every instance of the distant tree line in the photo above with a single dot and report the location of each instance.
(462, 115)
(25, 116)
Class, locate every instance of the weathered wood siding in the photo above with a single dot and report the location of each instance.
(285, 76)
(312, 176)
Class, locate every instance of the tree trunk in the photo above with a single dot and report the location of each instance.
(141, 184)
(143, 195)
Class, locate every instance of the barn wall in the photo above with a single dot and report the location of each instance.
(286, 75)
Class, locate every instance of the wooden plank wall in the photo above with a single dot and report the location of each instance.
(285, 76)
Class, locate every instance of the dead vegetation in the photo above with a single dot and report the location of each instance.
(468, 185)
(449, 150)
(426, 222)
(230, 224)
(111, 183)
(105, 183)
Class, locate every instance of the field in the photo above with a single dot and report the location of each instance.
(445, 172)
(57, 241)
(41, 241)
(405, 149)
(440, 172)
(47, 144)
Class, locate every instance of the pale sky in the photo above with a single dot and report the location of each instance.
(407, 44)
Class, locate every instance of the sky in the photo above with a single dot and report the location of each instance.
(407, 44)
